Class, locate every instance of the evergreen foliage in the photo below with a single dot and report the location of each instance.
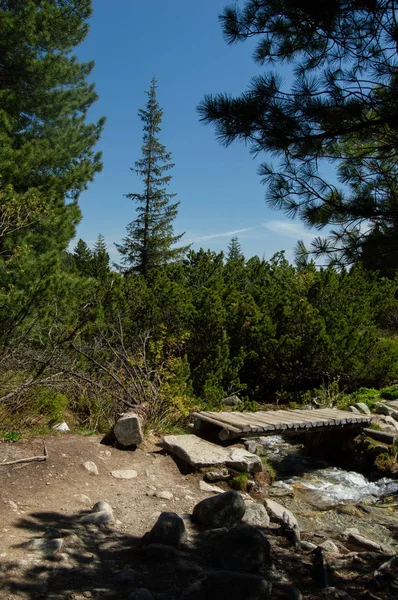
(341, 108)
(150, 238)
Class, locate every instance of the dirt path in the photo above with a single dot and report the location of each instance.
(38, 495)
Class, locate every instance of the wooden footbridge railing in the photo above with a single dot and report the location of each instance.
(271, 422)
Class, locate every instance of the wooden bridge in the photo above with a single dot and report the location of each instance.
(245, 424)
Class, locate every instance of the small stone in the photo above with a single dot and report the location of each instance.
(82, 498)
(12, 505)
(308, 546)
(223, 510)
(128, 430)
(256, 515)
(251, 446)
(124, 474)
(220, 475)
(330, 547)
(101, 506)
(99, 518)
(91, 467)
(126, 576)
(61, 427)
(169, 530)
(205, 487)
(354, 410)
(164, 495)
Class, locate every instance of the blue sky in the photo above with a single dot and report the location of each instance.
(220, 193)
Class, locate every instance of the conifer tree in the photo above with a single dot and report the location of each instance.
(234, 250)
(100, 260)
(150, 237)
(82, 257)
(341, 111)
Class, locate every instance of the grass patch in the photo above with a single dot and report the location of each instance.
(240, 481)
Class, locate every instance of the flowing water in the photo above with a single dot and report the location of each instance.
(327, 484)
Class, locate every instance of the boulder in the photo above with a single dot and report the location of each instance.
(256, 515)
(392, 422)
(232, 401)
(242, 460)
(356, 541)
(169, 530)
(199, 453)
(243, 548)
(383, 409)
(280, 514)
(229, 585)
(206, 487)
(329, 547)
(128, 430)
(362, 407)
(223, 510)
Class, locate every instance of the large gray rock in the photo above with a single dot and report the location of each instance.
(229, 585)
(383, 409)
(169, 530)
(362, 407)
(199, 453)
(280, 514)
(243, 548)
(256, 515)
(232, 401)
(128, 430)
(243, 460)
(224, 510)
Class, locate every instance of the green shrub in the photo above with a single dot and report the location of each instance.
(10, 436)
(368, 396)
(49, 403)
(389, 393)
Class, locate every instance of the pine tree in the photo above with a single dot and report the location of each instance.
(47, 156)
(100, 260)
(234, 250)
(150, 237)
(82, 257)
(341, 110)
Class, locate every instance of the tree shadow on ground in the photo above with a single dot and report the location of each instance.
(103, 563)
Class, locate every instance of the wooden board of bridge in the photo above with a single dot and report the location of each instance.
(271, 422)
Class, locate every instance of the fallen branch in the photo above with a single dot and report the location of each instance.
(27, 460)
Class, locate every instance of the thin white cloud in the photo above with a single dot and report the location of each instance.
(213, 236)
(289, 229)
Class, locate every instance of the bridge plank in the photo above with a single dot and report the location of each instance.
(267, 422)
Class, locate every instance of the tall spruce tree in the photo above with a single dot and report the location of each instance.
(341, 110)
(47, 153)
(150, 240)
